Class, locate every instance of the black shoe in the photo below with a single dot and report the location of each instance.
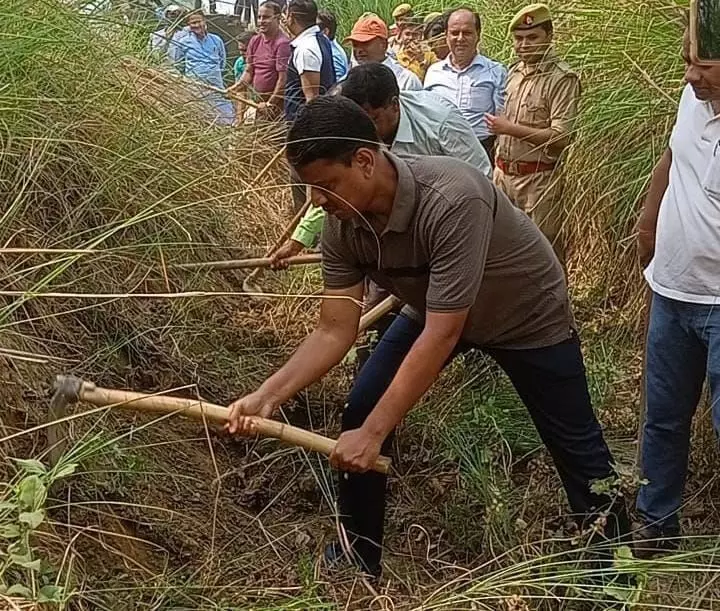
(337, 559)
(651, 541)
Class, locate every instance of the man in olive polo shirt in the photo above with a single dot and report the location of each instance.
(475, 272)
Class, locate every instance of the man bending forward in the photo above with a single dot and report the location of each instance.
(475, 272)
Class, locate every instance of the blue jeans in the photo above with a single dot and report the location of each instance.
(550, 381)
(683, 346)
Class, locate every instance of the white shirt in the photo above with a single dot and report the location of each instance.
(686, 265)
(307, 55)
(430, 125)
(476, 89)
(407, 80)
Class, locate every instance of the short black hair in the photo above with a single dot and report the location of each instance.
(330, 127)
(304, 11)
(371, 84)
(327, 20)
(273, 6)
(473, 12)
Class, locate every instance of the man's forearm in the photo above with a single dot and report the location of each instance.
(658, 185)
(647, 223)
(555, 140)
(279, 92)
(246, 79)
(419, 370)
(310, 83)
(311, 93)
(317, 355)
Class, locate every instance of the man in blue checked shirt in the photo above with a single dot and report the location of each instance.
(473, 82)
(200, 55)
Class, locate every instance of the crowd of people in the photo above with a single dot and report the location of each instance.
(435, 174)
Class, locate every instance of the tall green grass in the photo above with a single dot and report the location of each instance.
(125, 166)
(116, 171)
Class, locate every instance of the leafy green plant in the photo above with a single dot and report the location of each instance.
(23, 572)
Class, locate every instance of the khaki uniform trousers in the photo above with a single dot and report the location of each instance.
(539, 195)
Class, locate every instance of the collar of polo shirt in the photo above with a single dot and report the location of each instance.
(404, 204)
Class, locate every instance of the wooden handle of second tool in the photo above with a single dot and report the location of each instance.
(386, 306)
(261, 262)
(199, 410)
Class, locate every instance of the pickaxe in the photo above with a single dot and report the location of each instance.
(69, 390)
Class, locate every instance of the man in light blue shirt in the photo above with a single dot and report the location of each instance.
(473, 82)
(201, 55)
(328, 24)
(409, 123)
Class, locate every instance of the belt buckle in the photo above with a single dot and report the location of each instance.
(514, 168)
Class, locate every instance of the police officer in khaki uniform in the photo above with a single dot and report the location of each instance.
(541, 105)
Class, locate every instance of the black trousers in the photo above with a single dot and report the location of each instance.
(551, 383)
(489, 146)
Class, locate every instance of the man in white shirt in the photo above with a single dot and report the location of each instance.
(679, 240)
(160, 39)
(369, 39)
(473, 82)
(310, 72)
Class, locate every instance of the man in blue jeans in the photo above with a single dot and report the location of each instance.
(679, 241)
(474, 271)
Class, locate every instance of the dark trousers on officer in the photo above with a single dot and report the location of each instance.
(550, 381)
(489, 145)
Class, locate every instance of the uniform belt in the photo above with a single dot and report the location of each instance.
(523, 168)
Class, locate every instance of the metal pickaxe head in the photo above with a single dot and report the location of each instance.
(67, 391)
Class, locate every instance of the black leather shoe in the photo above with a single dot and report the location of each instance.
(651, 541)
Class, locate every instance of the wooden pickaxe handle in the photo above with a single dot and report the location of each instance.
(386, 306)
(199, 410)
(261, 262)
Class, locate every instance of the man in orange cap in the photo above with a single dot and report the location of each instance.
(369, 39)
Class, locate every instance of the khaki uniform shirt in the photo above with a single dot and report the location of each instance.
(543, 96)
(453, 241)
